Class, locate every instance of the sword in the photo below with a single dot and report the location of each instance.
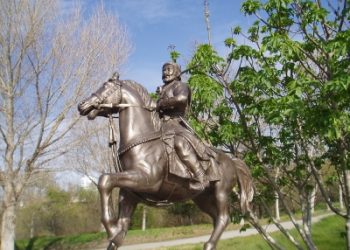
(188, 126)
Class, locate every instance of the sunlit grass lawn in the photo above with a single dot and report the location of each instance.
(328, 234)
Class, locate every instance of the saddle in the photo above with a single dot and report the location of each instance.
(206, 155)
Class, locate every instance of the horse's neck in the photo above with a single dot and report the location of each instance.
(134, 122)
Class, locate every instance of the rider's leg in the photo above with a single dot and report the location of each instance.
(189, 157)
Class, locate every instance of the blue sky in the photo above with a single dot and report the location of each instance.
(153, 25)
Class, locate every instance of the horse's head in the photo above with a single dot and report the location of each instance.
(102, 102)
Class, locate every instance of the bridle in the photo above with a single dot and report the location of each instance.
(114, 87)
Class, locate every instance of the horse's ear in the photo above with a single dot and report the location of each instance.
(115, 77)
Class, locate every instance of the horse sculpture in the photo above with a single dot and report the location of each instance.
(145, 175)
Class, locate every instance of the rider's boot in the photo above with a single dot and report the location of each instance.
(200, 182)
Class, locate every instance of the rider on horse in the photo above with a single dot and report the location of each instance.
(174, 100)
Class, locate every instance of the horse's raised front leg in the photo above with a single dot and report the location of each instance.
(216, 205)
(134, 180)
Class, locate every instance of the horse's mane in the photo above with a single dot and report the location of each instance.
(142, 91)
(147, 100)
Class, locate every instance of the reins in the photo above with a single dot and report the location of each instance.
(112, 130)
(113, 145)
(125, 105)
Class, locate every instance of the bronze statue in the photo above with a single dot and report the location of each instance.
(153, 165)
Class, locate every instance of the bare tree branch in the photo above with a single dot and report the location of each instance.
(47, 63)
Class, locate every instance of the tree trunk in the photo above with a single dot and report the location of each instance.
(272, 243)
(313, 199)
(241, 223)
(306, 219)
(144, 213)
(282, 229)
(341, 201)
(8, 224)
(277, 207)
(32, 229)
(277, 201)
(347, 185)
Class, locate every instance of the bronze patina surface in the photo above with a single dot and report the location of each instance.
(162, 161)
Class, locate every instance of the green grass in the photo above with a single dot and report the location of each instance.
(54, 242)
(327, 236)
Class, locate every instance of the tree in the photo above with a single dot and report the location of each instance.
(30, 212)
(286, 107)
(186, 210)
(91, 155)
(59, 212)
(48, 61)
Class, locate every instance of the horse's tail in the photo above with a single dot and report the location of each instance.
(245, 182)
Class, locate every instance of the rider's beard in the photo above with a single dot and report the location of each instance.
(168, 78)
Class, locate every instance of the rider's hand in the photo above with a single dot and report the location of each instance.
(159, 105)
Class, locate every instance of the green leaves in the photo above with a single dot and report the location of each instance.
(281, 100)
(250, 7)
(230, 42)
(174, 55)
(205, 60)
(236, 30)
(286, 100)
(243, 51)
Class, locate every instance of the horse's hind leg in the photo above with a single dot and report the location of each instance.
(127, 205)
(217, 206)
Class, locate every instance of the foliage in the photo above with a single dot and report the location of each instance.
(281, 100)
(59, 213)
(185, 209)
(56, 242)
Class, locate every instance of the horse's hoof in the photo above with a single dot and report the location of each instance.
(209, 246)
(112, 246)
(117, 238)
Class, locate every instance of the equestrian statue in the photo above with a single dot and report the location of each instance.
(160, 158)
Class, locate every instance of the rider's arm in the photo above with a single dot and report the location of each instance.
(179, 98)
